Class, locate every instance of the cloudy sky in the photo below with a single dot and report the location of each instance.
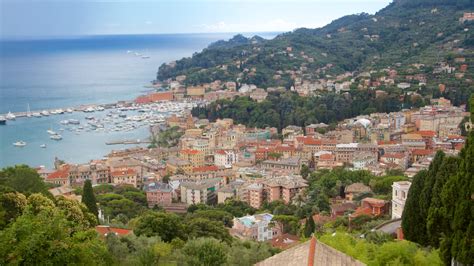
(47, 18)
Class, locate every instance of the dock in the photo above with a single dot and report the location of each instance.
(80, 108)
(128, 142)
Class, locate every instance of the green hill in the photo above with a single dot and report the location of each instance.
(405, 32)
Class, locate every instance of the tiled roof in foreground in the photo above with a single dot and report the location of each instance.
(311, 252)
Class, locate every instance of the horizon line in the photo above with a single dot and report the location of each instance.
(70, 37)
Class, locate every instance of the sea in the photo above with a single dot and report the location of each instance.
(67, 72)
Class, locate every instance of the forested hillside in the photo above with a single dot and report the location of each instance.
(405, 32)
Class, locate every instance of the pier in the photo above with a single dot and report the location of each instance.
(80, 108)
(128, 142)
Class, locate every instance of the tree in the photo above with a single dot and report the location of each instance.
(12, 204)
(23, 179)
(43, 234)
(165, 225)
(166, 179)
(426, 193)
(200, 227)
(88, 197)
(205, 252)
(437, 222)
(413, 224)
(457, 197)
(309, 226)
(214, 215)
(248, 253)
(305, 171)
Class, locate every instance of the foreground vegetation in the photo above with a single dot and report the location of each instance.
(372, 251)
(439, 211)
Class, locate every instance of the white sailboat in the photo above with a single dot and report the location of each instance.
(43, 146)
(50, 131)
(28, 111)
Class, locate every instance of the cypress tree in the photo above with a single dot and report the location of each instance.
(437, 222)
(426, 195)
(309, 226)
(412, 222)
(88, 198)
(458, 201)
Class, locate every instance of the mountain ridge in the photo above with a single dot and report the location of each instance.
(423, 32)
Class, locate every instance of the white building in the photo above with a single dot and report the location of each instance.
(203, 191)
(399, 197)
(255, 227)
(225, 158)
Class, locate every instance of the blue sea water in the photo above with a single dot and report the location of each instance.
(60, 73)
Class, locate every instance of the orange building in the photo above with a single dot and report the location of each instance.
(155, 97)
(195, 157)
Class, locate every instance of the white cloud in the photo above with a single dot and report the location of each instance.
(271, 25)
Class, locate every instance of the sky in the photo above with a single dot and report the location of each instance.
(61, 18)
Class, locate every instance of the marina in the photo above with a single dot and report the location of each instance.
(64, 134)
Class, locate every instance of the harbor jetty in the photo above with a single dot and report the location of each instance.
(80, 108)
(131, 142)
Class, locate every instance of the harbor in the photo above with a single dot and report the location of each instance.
(89, 131)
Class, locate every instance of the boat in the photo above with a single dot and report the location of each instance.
(74, 122)
(89, 110)
(43, 146)
(3, 120)
(19, 144)
(51, 132)
(64, 122)
(45, 113)
(69, 110)
(28, 111)
(10, 116)
(89, 117)
(56, 137)
(100, 108)
(37, 115)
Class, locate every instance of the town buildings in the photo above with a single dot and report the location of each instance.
(254, 227)
(158, 194)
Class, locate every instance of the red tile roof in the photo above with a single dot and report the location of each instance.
(422, 152)
(210, 168)
(221, 152)
(123, 172)
(309, 141)
(104, 230)
(284, 241)
(455, 137)
(426, 133)
(326, 156)
(61, 173)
